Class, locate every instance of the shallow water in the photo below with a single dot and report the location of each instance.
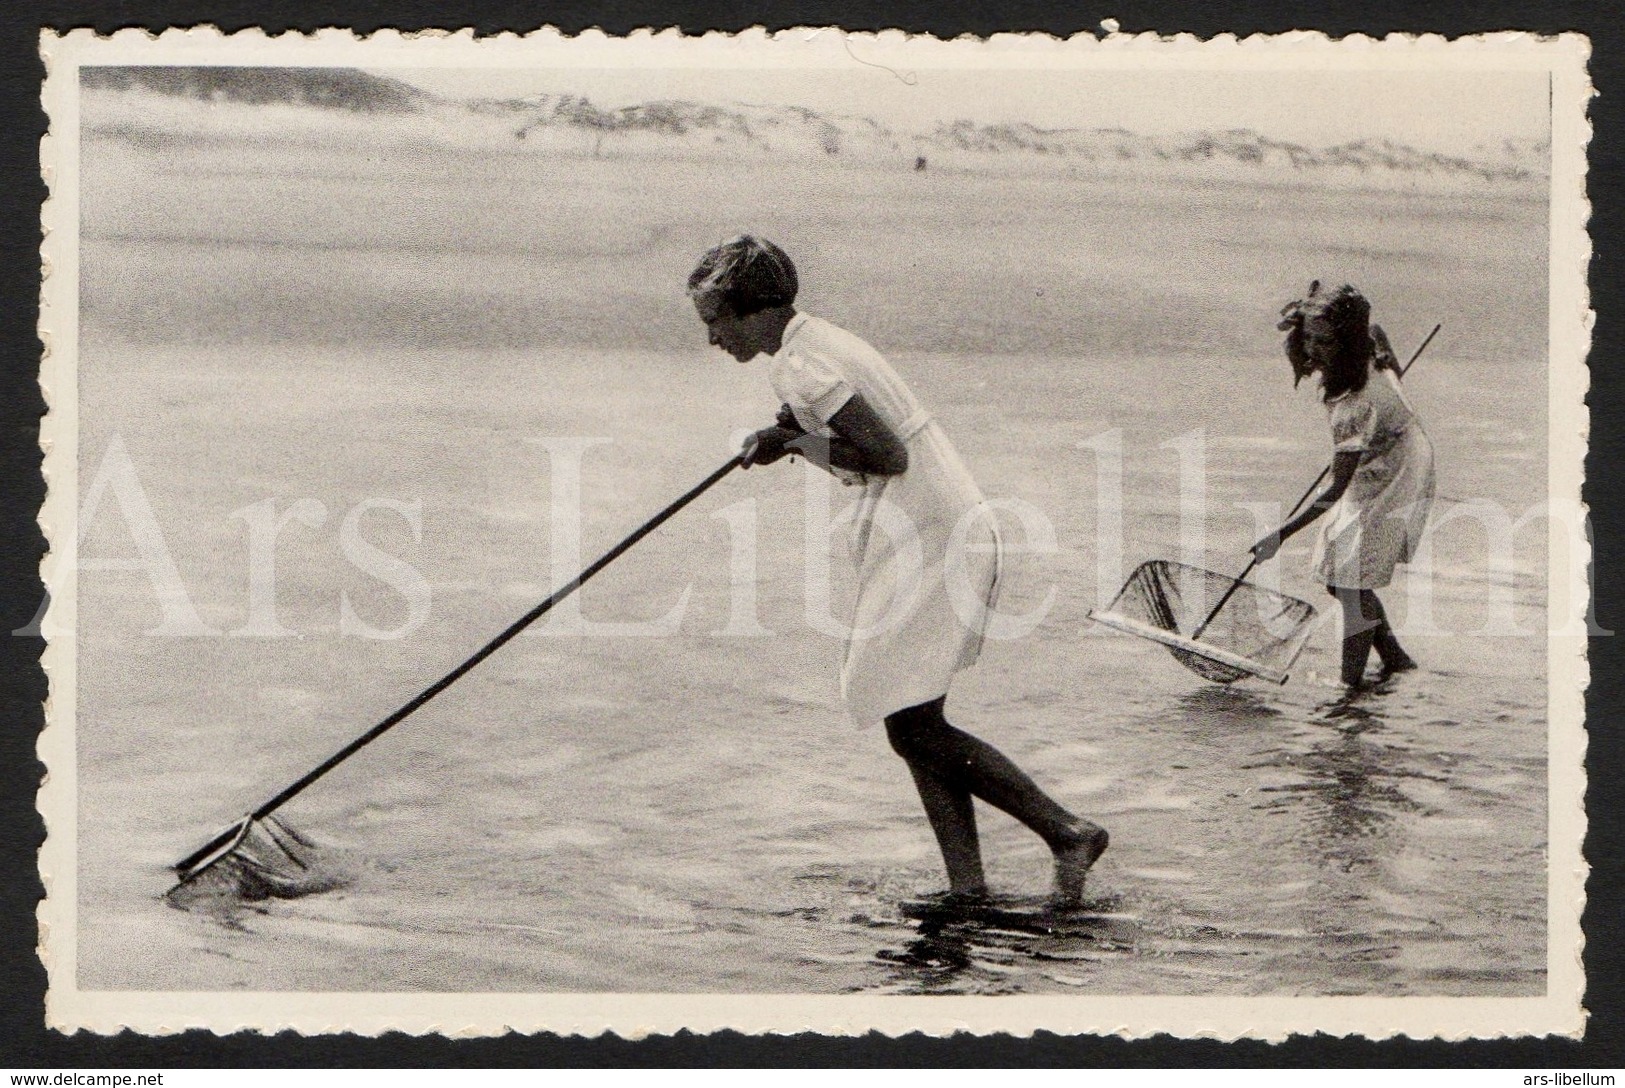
(692, 811)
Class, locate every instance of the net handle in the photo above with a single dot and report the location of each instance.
(189, 864)
(1235, 585)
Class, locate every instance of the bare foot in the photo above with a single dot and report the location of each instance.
(1073, 863)
(966, 893)
(1404, 664)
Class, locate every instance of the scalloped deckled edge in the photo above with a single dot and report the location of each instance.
(638, 1015)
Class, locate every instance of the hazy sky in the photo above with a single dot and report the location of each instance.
(1441, 110)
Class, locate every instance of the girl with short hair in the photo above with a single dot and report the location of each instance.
(926, 549)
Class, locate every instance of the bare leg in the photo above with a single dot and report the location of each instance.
(1358, 633)
(1393, 655)
(953, 819)
(922, 735)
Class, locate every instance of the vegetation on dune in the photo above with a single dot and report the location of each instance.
(328, 88)
(734, 128)
(1240, 145)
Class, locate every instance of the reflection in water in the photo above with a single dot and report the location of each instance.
(1350, 793)
(931, 962)
(1224, 707)
(984, 946)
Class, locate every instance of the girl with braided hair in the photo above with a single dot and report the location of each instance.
(1376, 506)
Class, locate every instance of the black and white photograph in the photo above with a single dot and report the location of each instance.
(815, 531)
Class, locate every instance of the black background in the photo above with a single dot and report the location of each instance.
(26, 1044)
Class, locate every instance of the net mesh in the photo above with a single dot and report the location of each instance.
(267, 860)
(1254, 623)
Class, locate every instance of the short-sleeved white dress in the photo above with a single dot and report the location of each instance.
(926, 547)
(1378, 522)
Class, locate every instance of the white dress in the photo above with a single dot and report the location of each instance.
(926, 546)
(1378, 522)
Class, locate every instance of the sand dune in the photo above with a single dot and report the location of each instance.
(313, 105)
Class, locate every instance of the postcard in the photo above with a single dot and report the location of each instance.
(815, 531)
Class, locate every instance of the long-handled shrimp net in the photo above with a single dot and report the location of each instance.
(1249, 631)
(260, 856)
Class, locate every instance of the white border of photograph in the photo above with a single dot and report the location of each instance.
(1559, 1011)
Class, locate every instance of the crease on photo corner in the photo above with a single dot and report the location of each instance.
(57, 517)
